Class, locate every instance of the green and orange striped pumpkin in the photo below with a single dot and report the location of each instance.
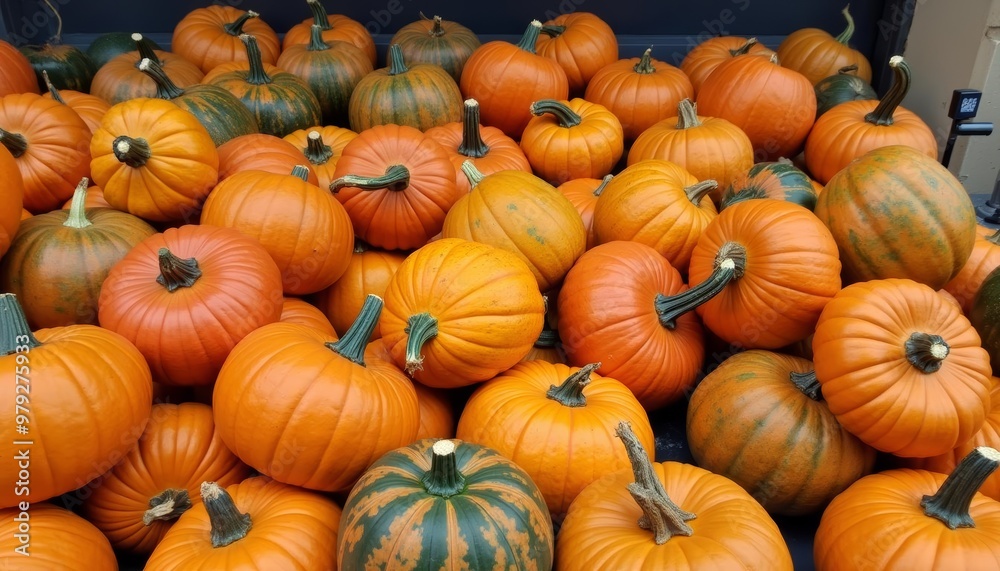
(445, 504)
(779, 179)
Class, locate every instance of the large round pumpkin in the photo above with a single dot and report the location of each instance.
(701, 61)
(12, 210)
(210, 35)
(336, 28)
(437, 41)
(121, 79)
(43, 538)
(581, 43)
(572, 139)
(18, 76)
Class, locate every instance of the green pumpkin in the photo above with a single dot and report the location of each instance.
(106, 47)
(66, 66)
(985, 317)
(781, 180)
(845, 86)
(439, 501)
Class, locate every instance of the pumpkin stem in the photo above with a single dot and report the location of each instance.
(845, 36)
(882, 114)
(570, 392)
(15, 333)
(420, 328)
(437, 31)
(660, 514)
(256, 75)
(951, 502)
(395, 58)
(133, 152)
(744, 49)
(547, 338)
(994, 237)
(228, 524)
(167, 505)
(236, 28)
(360, 246)
(530, 36)
(807, 383)
(474, 175)
(52, 88)
(301, 171)
(604, 184)
(165, 88)
(553, 31)
(15, 142)
(697, 191)
(645, 64)
(77, 217)
(730, 264)
(316, 43)
(396, 178)
(472, 144)
(176, 272)
(319, 14)
(352, 345)
(443, 479)
(565, 116)
(145, 50)
(317, 151)
(926, 352)
(687, 114)
(853, 68)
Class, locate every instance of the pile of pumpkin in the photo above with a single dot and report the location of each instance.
(412, 317)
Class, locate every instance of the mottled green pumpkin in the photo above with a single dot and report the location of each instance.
(985, 317)
(844, 86)
(67, 66)
(107, 46)
(780, 180)
(445, 504)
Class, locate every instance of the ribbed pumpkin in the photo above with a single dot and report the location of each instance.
(583, 193)
(557, 422)
(322, 147)
(138, 500)
(659, 204)
(306, 231)
(816, 54)
(581, 43)
(639, 91)
(106, 46)
(336, 28)
(701, 61)
(58, 260)
(12, 211)
(436, 41)
(609, 313)
(844, 86)
(261, 152)
(55, 533)
(507, 78)
(519, 212)
(121, 79)
(460, 312)
(310, 410)
(897, 213)
(280, 101)
(397, 184)
(68, 66)
(74, 438)
(572, 139)
(985, 316)
(759, 419)
(901, 367)
(418, 95)
(18, 76)
(856, 127)
(48, 142)
(210, 36)
(295, 310)
(458, 495)
(332, 70)
(547, 348)
(187, 296)
(984, 258)
(780, 180)
(89, 107)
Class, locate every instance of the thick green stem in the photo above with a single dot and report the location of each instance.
(700, 190)
(317, 151)
(145, 50)
(319, 14)
(845, 36)
(570, 392)
(530, 36)
(882, 114)
(396, 178)
(15, 333)
(301, 171)
(167, 505)
(14, 142)
(553, 31)
(256, 75)
(395, 58)
(926, 352)
(744, 49)
(565, 116)
(420, 329)
(133, 152)
(165, 88)
(443, 479)
(547, 339)
(472, 144)
(687, 114)
(352, 345)
(175, 272)
(604, 184)
(659, 513)
(235, 28)
(645, 64)
(730, 264)
(807, 383)
(472, 173)
(951, 503)
(228, 525)
(316, 43)
(77, 217)
(52, 88)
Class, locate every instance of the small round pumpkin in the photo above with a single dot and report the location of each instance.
(210, 35)
(437, 41)
(336, 28)
(121, 78)
(322, 147)
(701, 61)
(572, 139)
(779, 180)
(844, 86)
(581, 43)
(18, 76)
(816, 54)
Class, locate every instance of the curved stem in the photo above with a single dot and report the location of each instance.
(882, 114)
(807, 383)
(472, 144)
(165, 88)
(443, 479)
(570, 392)
(317, 151)
(145, 50)
(659, 513)
(256, 75)
(167, 505)
(845, 36)
(926, 352)
(951, 503)
(396, 178)
(700, 190)
(316, 43)
(565, 116)
(133, 152)
(14, 142)
(730, 264)
(176, 272)
(235, 28)
(437, 30)
(395, 59)
(352, 345)
(52, 88)
(744, 49)
(553, 31)
(645, 63)
(228, 524)
(319, 14)
(530, 36)
(301, 171)
(853, 68)
(472, 173)
(15, 333)
(56, 39)
(687, 114)
(604, 183)
(77, 217)
(420, 329)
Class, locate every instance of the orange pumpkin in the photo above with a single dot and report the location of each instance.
(210, 36)
(261, 152)
(89, 107)
(583, 193)
(581, 43)
(701, 61)
(53, 534)
(11, 211)
(817, 55)
(18, 75)
(571, 139)
(336, 28)
(294, 310)
(121, 79)
(984, 258)
(322, 147)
